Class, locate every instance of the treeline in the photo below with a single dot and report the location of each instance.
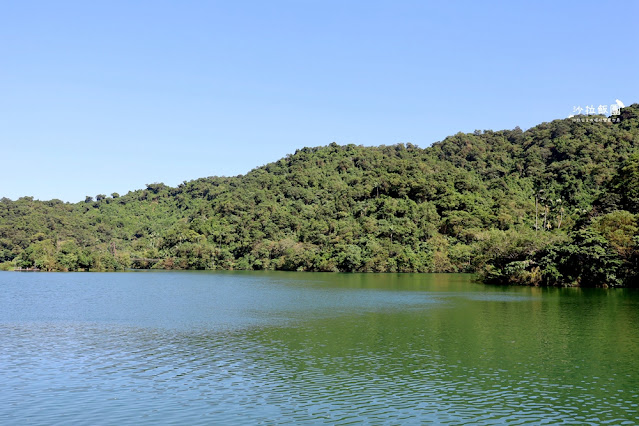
(554, 205)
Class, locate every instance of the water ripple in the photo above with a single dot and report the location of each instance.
(392, 358)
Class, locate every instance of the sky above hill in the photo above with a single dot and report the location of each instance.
(102, 97)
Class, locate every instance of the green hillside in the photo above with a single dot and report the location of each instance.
(554, 205)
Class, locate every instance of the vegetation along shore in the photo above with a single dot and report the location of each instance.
(553, 205)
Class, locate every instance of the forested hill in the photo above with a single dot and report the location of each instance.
(555, 205)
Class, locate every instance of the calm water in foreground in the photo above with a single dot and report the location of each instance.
(242, 347)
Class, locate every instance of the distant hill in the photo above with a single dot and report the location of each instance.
(554, 205)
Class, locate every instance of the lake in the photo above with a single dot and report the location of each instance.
(276, 347)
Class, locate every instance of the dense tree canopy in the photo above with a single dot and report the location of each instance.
(556, 204)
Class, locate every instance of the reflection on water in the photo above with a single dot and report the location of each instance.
(194, 348)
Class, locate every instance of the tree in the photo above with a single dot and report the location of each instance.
(589, 260)
(467, 203)
(627, 184)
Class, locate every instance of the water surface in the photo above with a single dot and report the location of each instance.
(250, 347)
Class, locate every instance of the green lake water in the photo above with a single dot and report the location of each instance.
(270, 347)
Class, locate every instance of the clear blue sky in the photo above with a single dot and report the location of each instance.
(104, 96)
